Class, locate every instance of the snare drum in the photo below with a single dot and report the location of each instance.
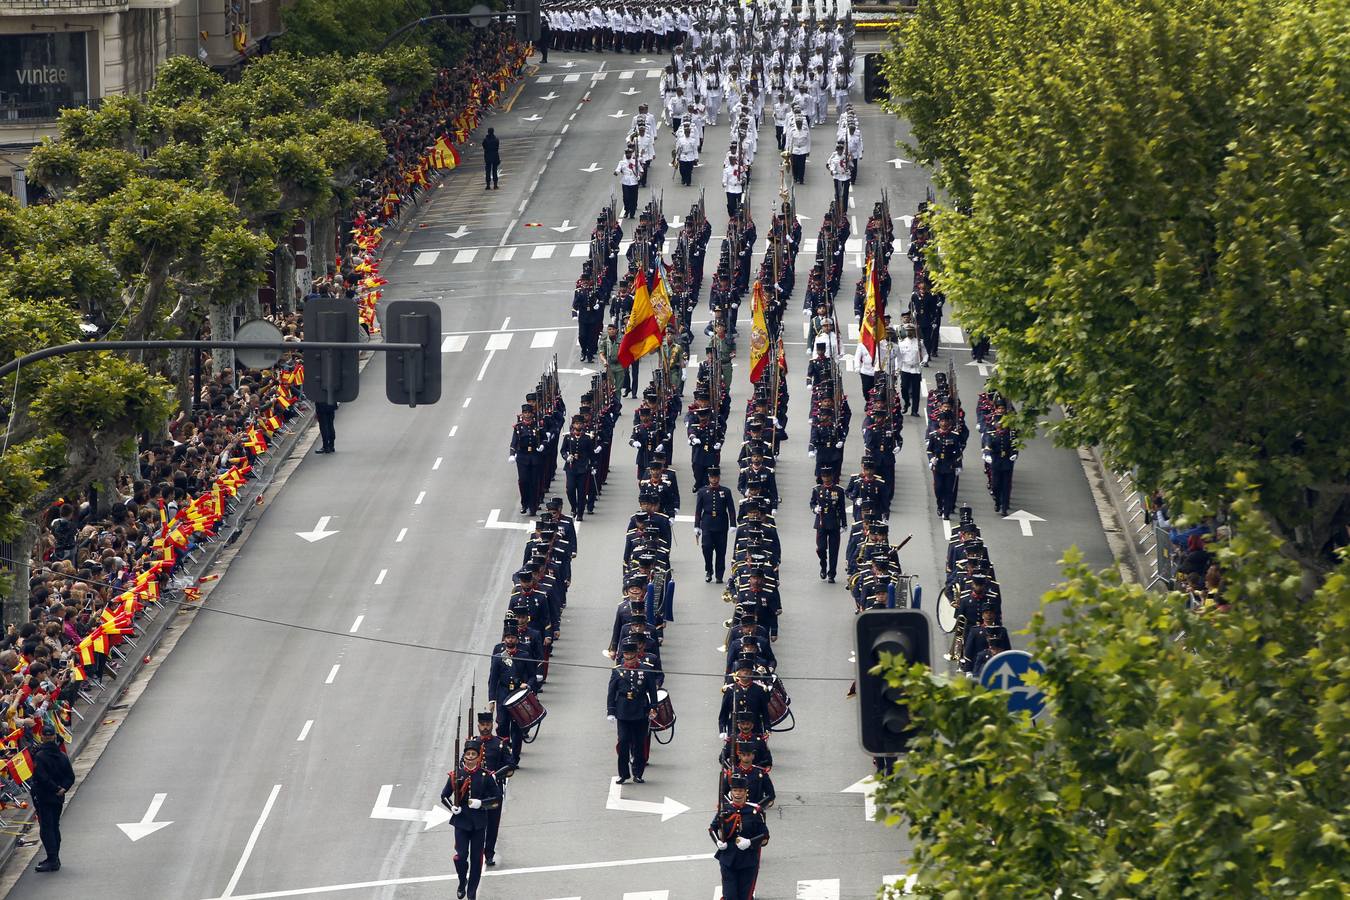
(525, 709)
(779, 701)
(663, 717)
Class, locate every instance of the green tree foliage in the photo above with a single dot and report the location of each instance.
(352, 27)
(1156, 234)
(1212, 766)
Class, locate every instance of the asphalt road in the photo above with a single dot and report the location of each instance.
(272, 743)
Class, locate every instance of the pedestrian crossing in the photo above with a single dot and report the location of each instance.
(808, 889)
(572, 77)
(572, 250)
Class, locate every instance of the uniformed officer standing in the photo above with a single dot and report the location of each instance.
(714, 516)
(629, 171)
(52, 778)
(841, 169)
(631, 699)
(828, 503)
(705, 446)
(588, 307)
(686, 152)
(470, 793)
(739, 832)
(798, 139)
(527, 441)
(944, 459)
(1000, 452)
(510, 672)
(578, 451)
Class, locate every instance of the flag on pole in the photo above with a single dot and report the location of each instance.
(759, 333)
(444, 156)
(873, 311)
(660, 296)
(644, 331)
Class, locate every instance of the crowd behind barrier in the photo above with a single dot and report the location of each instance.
(103, 566)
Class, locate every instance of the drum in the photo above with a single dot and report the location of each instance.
(525, 709)
(663, 717)
(779, 701)
(946, 614)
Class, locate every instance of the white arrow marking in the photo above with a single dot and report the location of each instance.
(592, 169)
(801, 218)
(898, 162)
(946, 529)
(667, 808)
(550, 96)
(458, 232)
(493, 522)
(644, 61)
(905, 221)
(618, 115)
(534, 118)
(147, 825)
(567, 65)
(1003, 676)
(565, 226)
(983, 367)
(630, 92)
(676, 221)
(320, 530)
(430, 818)
(1023, 520)
(584, 372)
(868, 788)
(818, 889)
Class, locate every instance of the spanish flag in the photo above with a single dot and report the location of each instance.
(444, 156)
(19, 767)
(759, 334)
(661, 298)
(644, 331)
(873, 311)
(12, 740)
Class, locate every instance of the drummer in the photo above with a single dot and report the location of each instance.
(629, 702)
(757, 777)
(744, 695)
(511, 671)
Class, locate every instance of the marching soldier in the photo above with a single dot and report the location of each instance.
(705, 443)
(841, 169)
(986, 641)
(866, 487)
(631, 700)
(714, 516)
(578, 451)
(630, 175)
(1000, 454)
(944, 459)
(510, 672)
(527, 442)
(758, 780)
(588, 308)
(745, 733)
(496, 756)
(798, 139)
(470, 793)
(686, 152)
(743, 695)
(758, 475)
(828, 503)
(739, 832)
(827, 443)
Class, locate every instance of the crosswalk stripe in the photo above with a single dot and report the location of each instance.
(545, 79)
(951, 334)
(646, 895)
(543, 251)
(465, 256)
(623, 247)
(818, 889)
(626, 75)
(574, 76)
(543, 339)
(503, 254)
(581, 250)
(599, 76)
(853, 245)
(454, 343)
(427, 258)
(499, 341)
(852, 331)
(653, 73)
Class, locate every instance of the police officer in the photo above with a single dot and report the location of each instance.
(739, 832)
(828, 503)
(714, 517)
(52, 778)
(325, 413)
(470, 793)
(630, 702)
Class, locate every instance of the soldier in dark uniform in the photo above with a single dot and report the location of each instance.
(986, 640)
(714, 517)
(827, 442)
(1000, 453)
(470, 793)
(866, 487)
(758, 780)
(944, 459)
(648, 438)
(743, 694)
(630, 702)
(739, 832)
(758, 475)
(510, 672)
(588, 308)
(828, 503)
(705, 443)
(527, 441)
(745, 733)
(496, 755)
(578, 451)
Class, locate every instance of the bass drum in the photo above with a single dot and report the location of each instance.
(663, 717)
(946, 614)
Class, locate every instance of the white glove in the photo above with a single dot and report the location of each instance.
(932, 464)
(475, 803)
(635, 444)
(721, 845)
(839, 445)
(611, 718)
(723, 735)
(456, 810)
(811, 453)
(742, 843)
(511, 458)
(987, 458)
(717, 446)
(660, 447)
(693, 440)
(1013, 458)
(698, 534)
(958, 471)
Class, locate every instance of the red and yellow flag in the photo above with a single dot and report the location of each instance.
(759, 334)
(644, 331)
(19, 767)
(444, 156)
(873, 311)
(660, 297)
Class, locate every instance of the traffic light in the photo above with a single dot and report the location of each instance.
(875, 88)
(527, 20)
(412, 378)
(882, 713)
(332, 376)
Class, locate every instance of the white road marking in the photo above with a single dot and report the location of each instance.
(571, 77)
(304, 732)
(544, 79)
(356, 625)
(499, 340)
(454, 429)
(494, 521)
(379, 579)
(544, 251)
(421, 495)
(464, 256)
(332, 673)
(852, 331)
(437, 464)
(951, 334)
(252, 841)
(451, 876)
(599, 76)
(626, 75)
(454, 343)
(467, 401)
(646, 895)
(426, 259)
(504, 254)
(818, 889)
(543, 339)
(653, 73)
(564, 129)
(487, 361)
(506, 234)
(402, 533)
(581, 250)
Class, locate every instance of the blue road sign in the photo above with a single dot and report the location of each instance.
(1005, 672)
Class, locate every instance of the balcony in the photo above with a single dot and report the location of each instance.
(62, 7)
(33, 113)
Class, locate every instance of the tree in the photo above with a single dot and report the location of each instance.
(1155, 237)
(1211, 766)
(351, 27)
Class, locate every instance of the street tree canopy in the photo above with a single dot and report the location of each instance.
(1211, 766)
(1148, 220)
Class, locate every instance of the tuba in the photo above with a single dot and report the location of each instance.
(958, 646)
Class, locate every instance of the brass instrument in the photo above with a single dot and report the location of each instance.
(958, 646)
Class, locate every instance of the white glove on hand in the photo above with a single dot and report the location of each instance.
(475, 803)
(456, 810)
(742, 843)
(839, 445)
(511, 458)
(987, 459)
(637, 445)
(611, 718)
(932, 464)
(723, 735)
(660, 447)
(958, 471)
(698, 534)
(721, 845)
(695, 441)
(811, 453)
